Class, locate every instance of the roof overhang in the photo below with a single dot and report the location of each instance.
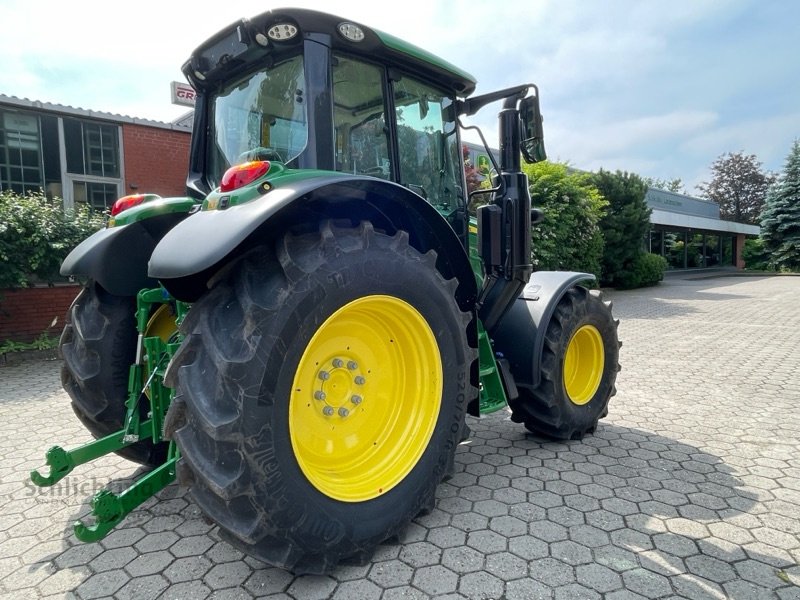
(671, 219)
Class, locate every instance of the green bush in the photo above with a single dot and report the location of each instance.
(36, 234)
(569, 238)
(755, 256)
(646, 269)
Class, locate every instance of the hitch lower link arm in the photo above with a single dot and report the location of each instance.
(144, 386)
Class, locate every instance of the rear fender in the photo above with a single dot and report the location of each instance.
(519, 336)
(200, 246)
(117, 257)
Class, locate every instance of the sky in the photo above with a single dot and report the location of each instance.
(652, 87)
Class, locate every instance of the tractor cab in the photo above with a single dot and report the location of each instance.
(311, 91)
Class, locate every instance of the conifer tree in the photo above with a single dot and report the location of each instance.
(780, 219)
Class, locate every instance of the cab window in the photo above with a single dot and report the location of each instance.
(361, 142)
(427, 143)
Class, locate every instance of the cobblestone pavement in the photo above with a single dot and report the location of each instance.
(689, 489)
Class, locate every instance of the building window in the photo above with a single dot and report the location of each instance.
(97, 195)
(21, 168)
(93, 162)
(29, 158)
(92, 148)
(675, 249)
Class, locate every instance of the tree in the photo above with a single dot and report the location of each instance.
(569, 238)
(670, 185)
(780, 220)
(739, 186)
(625, 223)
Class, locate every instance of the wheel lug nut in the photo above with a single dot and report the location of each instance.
(327, 411)
(355, 399)
(360, 380)
(337, 363)
(343, 412)
(324, 375)
(319, 395)
(352, 365)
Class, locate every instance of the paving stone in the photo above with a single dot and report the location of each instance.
(357, 590)
(481, 585)
(391, 573)
(506, 566)
(227, 575)
(446, 537)
(103, 584)
(551, 571)
(598, 577)
(184, 590)
(435, 580)
(486, 541)
(695, 587)
(312, 587)
(193, 545)
(575, 591)
(143, 588)
(405, 593)
(571, 552)
(420, 554)
(697, 498)
(148, 564)
(463, 559)
(646, 583)
(188, 568)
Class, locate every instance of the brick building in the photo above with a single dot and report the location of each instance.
(81, 156)
(88, 156)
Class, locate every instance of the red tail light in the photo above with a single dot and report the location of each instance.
(127, 202)
(240, 175)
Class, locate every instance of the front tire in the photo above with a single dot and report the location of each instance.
(579, 366)
(320, 395)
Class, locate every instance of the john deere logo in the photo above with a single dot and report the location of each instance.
(483, 164)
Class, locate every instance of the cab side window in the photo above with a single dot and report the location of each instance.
(427, 145)
(362, 143)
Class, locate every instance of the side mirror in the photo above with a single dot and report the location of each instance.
(532, 135)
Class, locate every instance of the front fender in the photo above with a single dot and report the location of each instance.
(519, 336)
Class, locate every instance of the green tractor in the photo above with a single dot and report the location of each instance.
(300, 339)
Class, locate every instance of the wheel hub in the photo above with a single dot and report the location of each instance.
(338, 387)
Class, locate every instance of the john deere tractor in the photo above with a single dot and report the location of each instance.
(300, 338)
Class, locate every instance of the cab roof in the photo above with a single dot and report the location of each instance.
(248, 40)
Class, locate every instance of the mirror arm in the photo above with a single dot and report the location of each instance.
(511, 95)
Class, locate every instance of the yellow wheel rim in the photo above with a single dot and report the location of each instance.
(161, 324)
(583, 364)
(365, 398)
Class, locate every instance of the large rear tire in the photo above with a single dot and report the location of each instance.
(580, 361)
(320, 395)
(98, 346)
